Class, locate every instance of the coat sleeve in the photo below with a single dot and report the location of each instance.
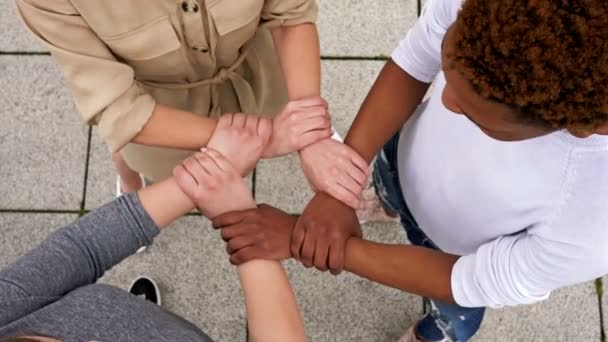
(289, 12)
(105, 90)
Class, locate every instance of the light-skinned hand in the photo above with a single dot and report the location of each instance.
(301, 123)
(334, 168)
(212, 183)
(241, 139)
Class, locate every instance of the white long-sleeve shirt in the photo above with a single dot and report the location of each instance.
(527, 217)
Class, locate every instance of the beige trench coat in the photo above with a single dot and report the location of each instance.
(120, 57)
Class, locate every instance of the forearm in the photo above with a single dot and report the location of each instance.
(107, 234)
(389, 104)
(413, 269)
(165, 202)
(272, 311)
(174, 128)
(81, 252)
(298, 50)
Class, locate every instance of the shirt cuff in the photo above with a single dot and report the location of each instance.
(301, 13)
(463, 287)
(471, 290)
(120, 122)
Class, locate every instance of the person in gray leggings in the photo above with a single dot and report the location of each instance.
(50, 293)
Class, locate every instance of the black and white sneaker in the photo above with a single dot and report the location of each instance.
(145, 288)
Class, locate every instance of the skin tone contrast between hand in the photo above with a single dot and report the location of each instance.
(391, 101)
(264, 233)
(216, 188)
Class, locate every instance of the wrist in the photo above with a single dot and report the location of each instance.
(269, 149)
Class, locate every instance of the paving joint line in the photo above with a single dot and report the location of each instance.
(599, 290)
(86, 173)
(324, 58)
(253, 180)
(355, 58)
(25, 53)
(39, 211)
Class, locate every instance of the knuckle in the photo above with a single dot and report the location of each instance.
(336, 235)
(230, 177)
(212, 185)
(311, 226)
(334, 171)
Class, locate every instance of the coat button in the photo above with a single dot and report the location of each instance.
(186, 7)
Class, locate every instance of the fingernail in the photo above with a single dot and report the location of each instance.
(203, 149)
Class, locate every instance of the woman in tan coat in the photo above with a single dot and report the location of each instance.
(155, 75)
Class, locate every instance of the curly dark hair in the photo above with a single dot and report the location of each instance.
(547, 59)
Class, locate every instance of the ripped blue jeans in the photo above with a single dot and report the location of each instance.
(442, 321)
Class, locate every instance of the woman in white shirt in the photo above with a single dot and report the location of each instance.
(505, 166)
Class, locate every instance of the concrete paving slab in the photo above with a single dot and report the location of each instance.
(346, 27)
(570, 314)
(350, 308)
(363, 28)
(101, 181)
(15, 36)
(43, 142)
(344, 84)
(280, 181)
(198, 283)
(20, 232)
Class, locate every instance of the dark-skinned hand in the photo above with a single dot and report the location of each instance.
(260, 233)
(319, 238)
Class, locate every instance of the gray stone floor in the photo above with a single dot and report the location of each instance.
(52, 168)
